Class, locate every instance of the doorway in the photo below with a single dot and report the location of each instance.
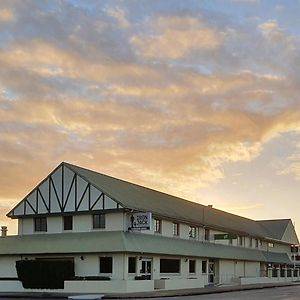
(146, 267)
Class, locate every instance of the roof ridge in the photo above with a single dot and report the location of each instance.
(139, 185)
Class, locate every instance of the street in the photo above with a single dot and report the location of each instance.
(284, 293)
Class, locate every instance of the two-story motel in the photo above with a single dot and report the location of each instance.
(84, 216)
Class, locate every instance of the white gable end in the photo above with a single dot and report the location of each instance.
(63, 191)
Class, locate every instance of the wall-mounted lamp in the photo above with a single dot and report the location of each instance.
(81, 258)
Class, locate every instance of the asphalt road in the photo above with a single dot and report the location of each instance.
(283, 293)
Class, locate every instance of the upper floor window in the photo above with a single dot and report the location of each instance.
(270, 245)
(98, 221)
(256, 243)
(175, 229)
(40, 224)
(192, 232)
(68, 222)
(250, 242)
(206, 234)
(240, 240)
(157, 225)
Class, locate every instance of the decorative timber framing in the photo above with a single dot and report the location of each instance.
(63, 192)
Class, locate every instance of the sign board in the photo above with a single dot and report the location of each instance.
(140, 221)
(225, 236)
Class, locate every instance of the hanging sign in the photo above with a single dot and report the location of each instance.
(140, 221)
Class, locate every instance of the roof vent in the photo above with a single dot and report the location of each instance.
(210, 206)
(3, 231)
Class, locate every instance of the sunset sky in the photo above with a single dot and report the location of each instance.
(199, 99)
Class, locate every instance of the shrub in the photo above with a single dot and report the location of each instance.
(44, 274)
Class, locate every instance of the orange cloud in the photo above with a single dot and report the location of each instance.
(176, 37)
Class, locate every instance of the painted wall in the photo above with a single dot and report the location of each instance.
(81, 223)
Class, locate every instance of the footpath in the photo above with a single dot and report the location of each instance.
(154, 294)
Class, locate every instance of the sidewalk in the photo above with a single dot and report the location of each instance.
(154, 294)
(200, 291)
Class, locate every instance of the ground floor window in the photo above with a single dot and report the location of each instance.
(169, 265)
(131, 264)
(204, 266)
(192, 266)
(106, 264)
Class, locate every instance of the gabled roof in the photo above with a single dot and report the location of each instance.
(280, 229)
(136, 197)
(276, 228)
(73, 189)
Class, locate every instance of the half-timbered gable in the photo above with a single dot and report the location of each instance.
(63, 191)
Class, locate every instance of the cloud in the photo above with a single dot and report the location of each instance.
(128, 99)
(6, 15)
(174, 37)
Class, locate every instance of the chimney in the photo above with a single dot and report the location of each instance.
(210, 206)
(3, 231)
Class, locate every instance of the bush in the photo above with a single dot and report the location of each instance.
(44, 274)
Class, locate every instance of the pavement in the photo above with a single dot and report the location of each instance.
(157, 293)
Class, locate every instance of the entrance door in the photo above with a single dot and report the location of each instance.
(211, 272)
(146, 267)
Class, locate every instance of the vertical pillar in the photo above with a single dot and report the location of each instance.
(270, 270)
(278, 272)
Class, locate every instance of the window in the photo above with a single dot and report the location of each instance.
(256, 243)
(206, 234)
(169, 265)
(204, 266)
(99, 221)
(68, 222)
(270, 245)
(192, 266)
(175, 229)
(250, 242)
(192, 232)
(105, 264)
(131, 265)
(240, 240)
(157, 226)
(40, 224)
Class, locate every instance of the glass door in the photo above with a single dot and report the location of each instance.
(146, 267)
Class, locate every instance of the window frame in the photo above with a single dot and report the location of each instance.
(193, 232)
(98, 222)
(206, 234)
(175, 228)
(65, 218)
(135, 264)
(192, 265)
(204, 263)
(157, 225)
(165, 260)
(101, 258)
(40, 224)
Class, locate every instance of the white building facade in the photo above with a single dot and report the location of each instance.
(85, 217)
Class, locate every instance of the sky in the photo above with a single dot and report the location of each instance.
(199, 99)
